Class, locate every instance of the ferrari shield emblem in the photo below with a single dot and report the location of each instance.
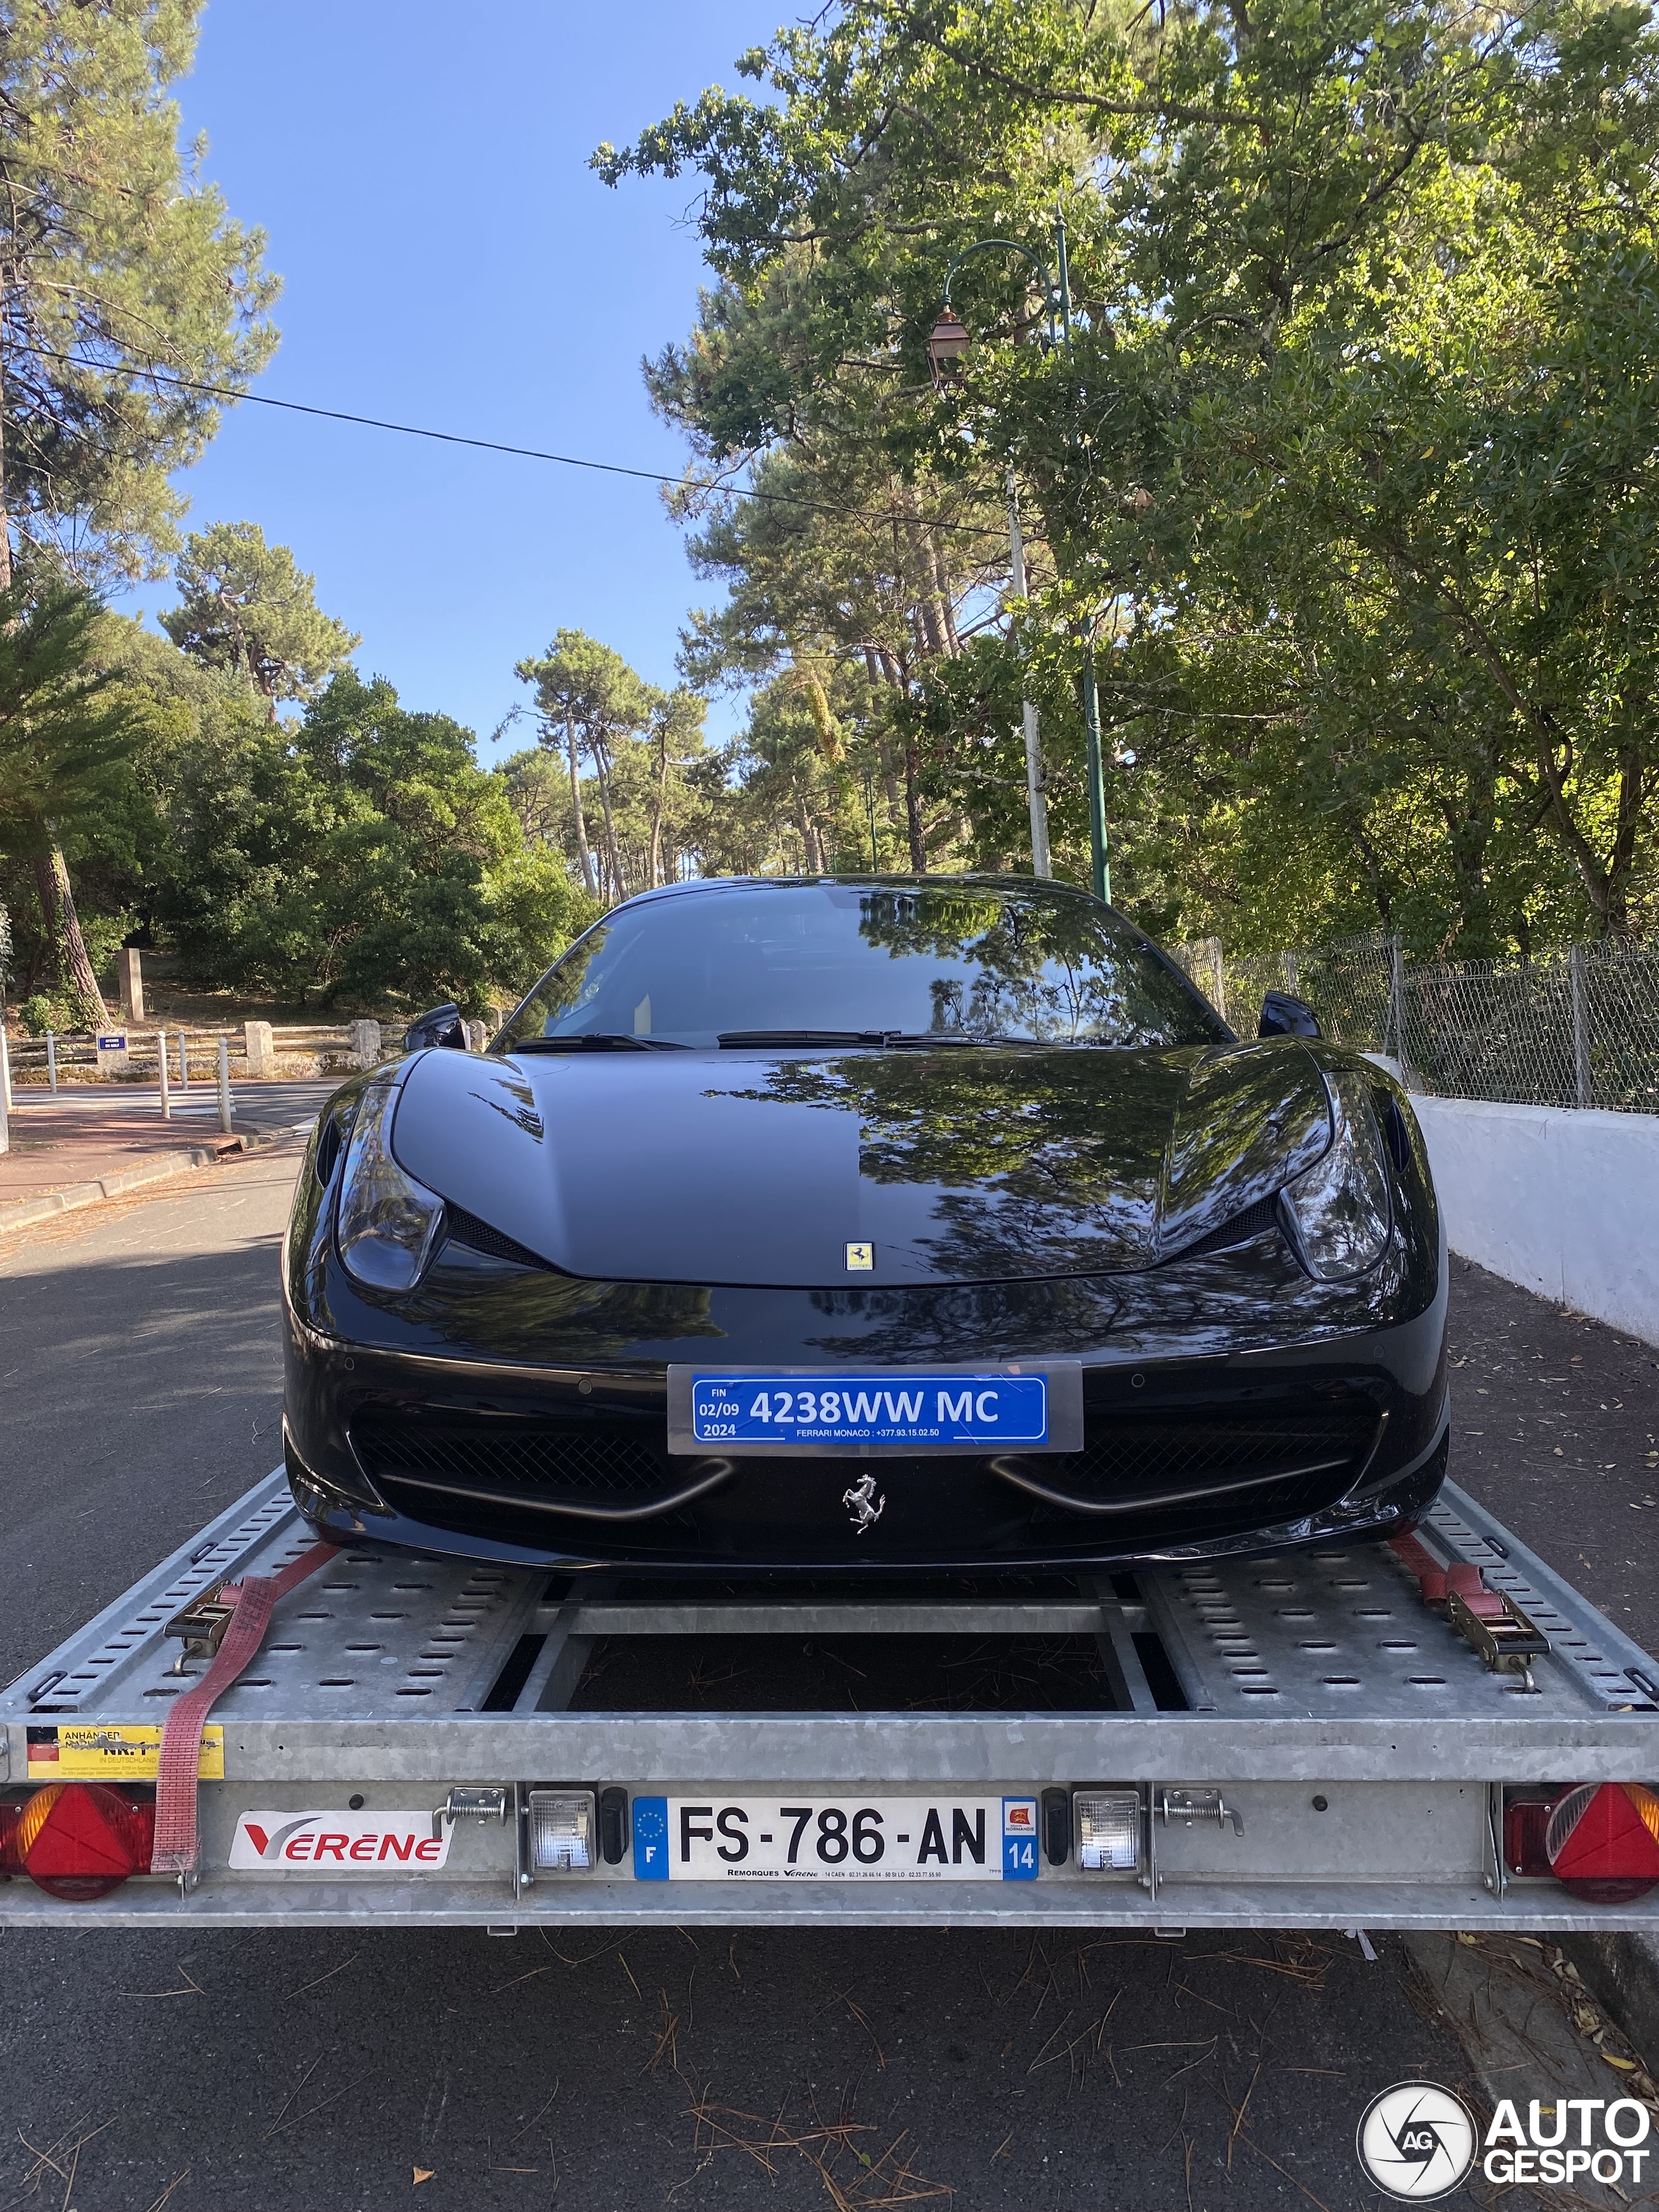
(860, 1259)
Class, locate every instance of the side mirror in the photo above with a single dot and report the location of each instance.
(441, 1026)
(1284, 1015)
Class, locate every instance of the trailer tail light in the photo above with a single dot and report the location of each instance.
(1525, 1820)
(1602, 1841)
(77, 1840)
(1108, 1825)
(561, 1830)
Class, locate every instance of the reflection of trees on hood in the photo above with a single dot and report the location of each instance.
(551, 1318)
(1053, 972)
(1013, 1232)
(1193, 1306)
(970, 1321)
(1068, 1160)
(1068, 1128)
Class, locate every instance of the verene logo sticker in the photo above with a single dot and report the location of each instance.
(336, 1842)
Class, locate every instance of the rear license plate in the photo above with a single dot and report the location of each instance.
(801, 1838)
(944, 1409)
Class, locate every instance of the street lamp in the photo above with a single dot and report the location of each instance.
(947, 349)
(947, 352)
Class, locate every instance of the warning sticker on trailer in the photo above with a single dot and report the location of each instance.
(82, 1751)
(336, 1842)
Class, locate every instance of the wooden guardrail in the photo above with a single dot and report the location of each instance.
(258, 1050)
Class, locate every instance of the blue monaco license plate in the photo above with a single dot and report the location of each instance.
(1034, 1406)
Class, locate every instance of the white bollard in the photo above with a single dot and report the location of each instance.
(224, 1084)
(5, 1088)
(161, 1065)
(184, 1063)
(51, 1063)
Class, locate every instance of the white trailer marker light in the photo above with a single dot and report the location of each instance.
(1108, 1830)
(561, 1830)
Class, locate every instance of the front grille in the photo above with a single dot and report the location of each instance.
(1155, 1526)
(1145, 1480)
(1132, 1456)
(547, 1459)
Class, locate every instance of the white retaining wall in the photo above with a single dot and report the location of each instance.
(1565, 1204)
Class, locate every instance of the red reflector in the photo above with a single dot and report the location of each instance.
(78, 1841)
(1602, 1842)
(1525, 1820)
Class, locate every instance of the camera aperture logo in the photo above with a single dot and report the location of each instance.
(1417, 2141)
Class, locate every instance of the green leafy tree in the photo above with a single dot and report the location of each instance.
(360, 856)
(589, 700)
(245, 605)
(1347, 468)
(68, 734)
(120, 271)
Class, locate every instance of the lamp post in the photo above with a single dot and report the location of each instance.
(947, 352)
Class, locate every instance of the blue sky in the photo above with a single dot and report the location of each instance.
(450, 260)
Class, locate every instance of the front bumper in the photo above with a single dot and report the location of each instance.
(567, 1467)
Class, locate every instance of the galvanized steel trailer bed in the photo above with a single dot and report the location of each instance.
(1363, 1743)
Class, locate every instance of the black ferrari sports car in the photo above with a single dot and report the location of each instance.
(839, 1225)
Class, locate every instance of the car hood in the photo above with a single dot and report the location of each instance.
(968, 1165)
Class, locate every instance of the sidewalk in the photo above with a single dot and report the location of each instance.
(92, 1142)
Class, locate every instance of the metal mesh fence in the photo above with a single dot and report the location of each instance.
(1576, 1028)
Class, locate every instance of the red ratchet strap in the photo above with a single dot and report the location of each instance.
(1437, 1580)
(178, 1848)
(1489, 1620)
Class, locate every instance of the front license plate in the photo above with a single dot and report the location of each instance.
(948, 1409)
(802, 1838)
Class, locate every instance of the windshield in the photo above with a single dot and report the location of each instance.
(834, 963)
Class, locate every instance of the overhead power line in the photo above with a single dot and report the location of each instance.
(529, 453)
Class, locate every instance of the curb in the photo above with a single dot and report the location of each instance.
(1622, 1971)
(70, 1197)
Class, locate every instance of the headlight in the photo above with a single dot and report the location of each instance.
(1339, 1208)
(387, 1221)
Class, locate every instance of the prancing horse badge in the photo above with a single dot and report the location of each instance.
(867, 1508)
(860, 1259)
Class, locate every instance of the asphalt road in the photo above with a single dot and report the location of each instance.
(304, 2070)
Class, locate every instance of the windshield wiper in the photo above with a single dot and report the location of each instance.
(736, 1039)
(598, 1040)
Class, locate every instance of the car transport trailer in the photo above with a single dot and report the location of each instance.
(1369, 1735)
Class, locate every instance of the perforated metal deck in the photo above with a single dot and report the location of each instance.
(1365, 1744)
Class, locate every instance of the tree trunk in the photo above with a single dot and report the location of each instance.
(63, 928)
(947, 611)
(913, 810)
(613, 851)
(659, 801)
(5, 511)
(582, 853)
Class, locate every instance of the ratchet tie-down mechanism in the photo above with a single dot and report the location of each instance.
(1490, 1621)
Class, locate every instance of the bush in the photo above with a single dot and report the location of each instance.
(40, 1013)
